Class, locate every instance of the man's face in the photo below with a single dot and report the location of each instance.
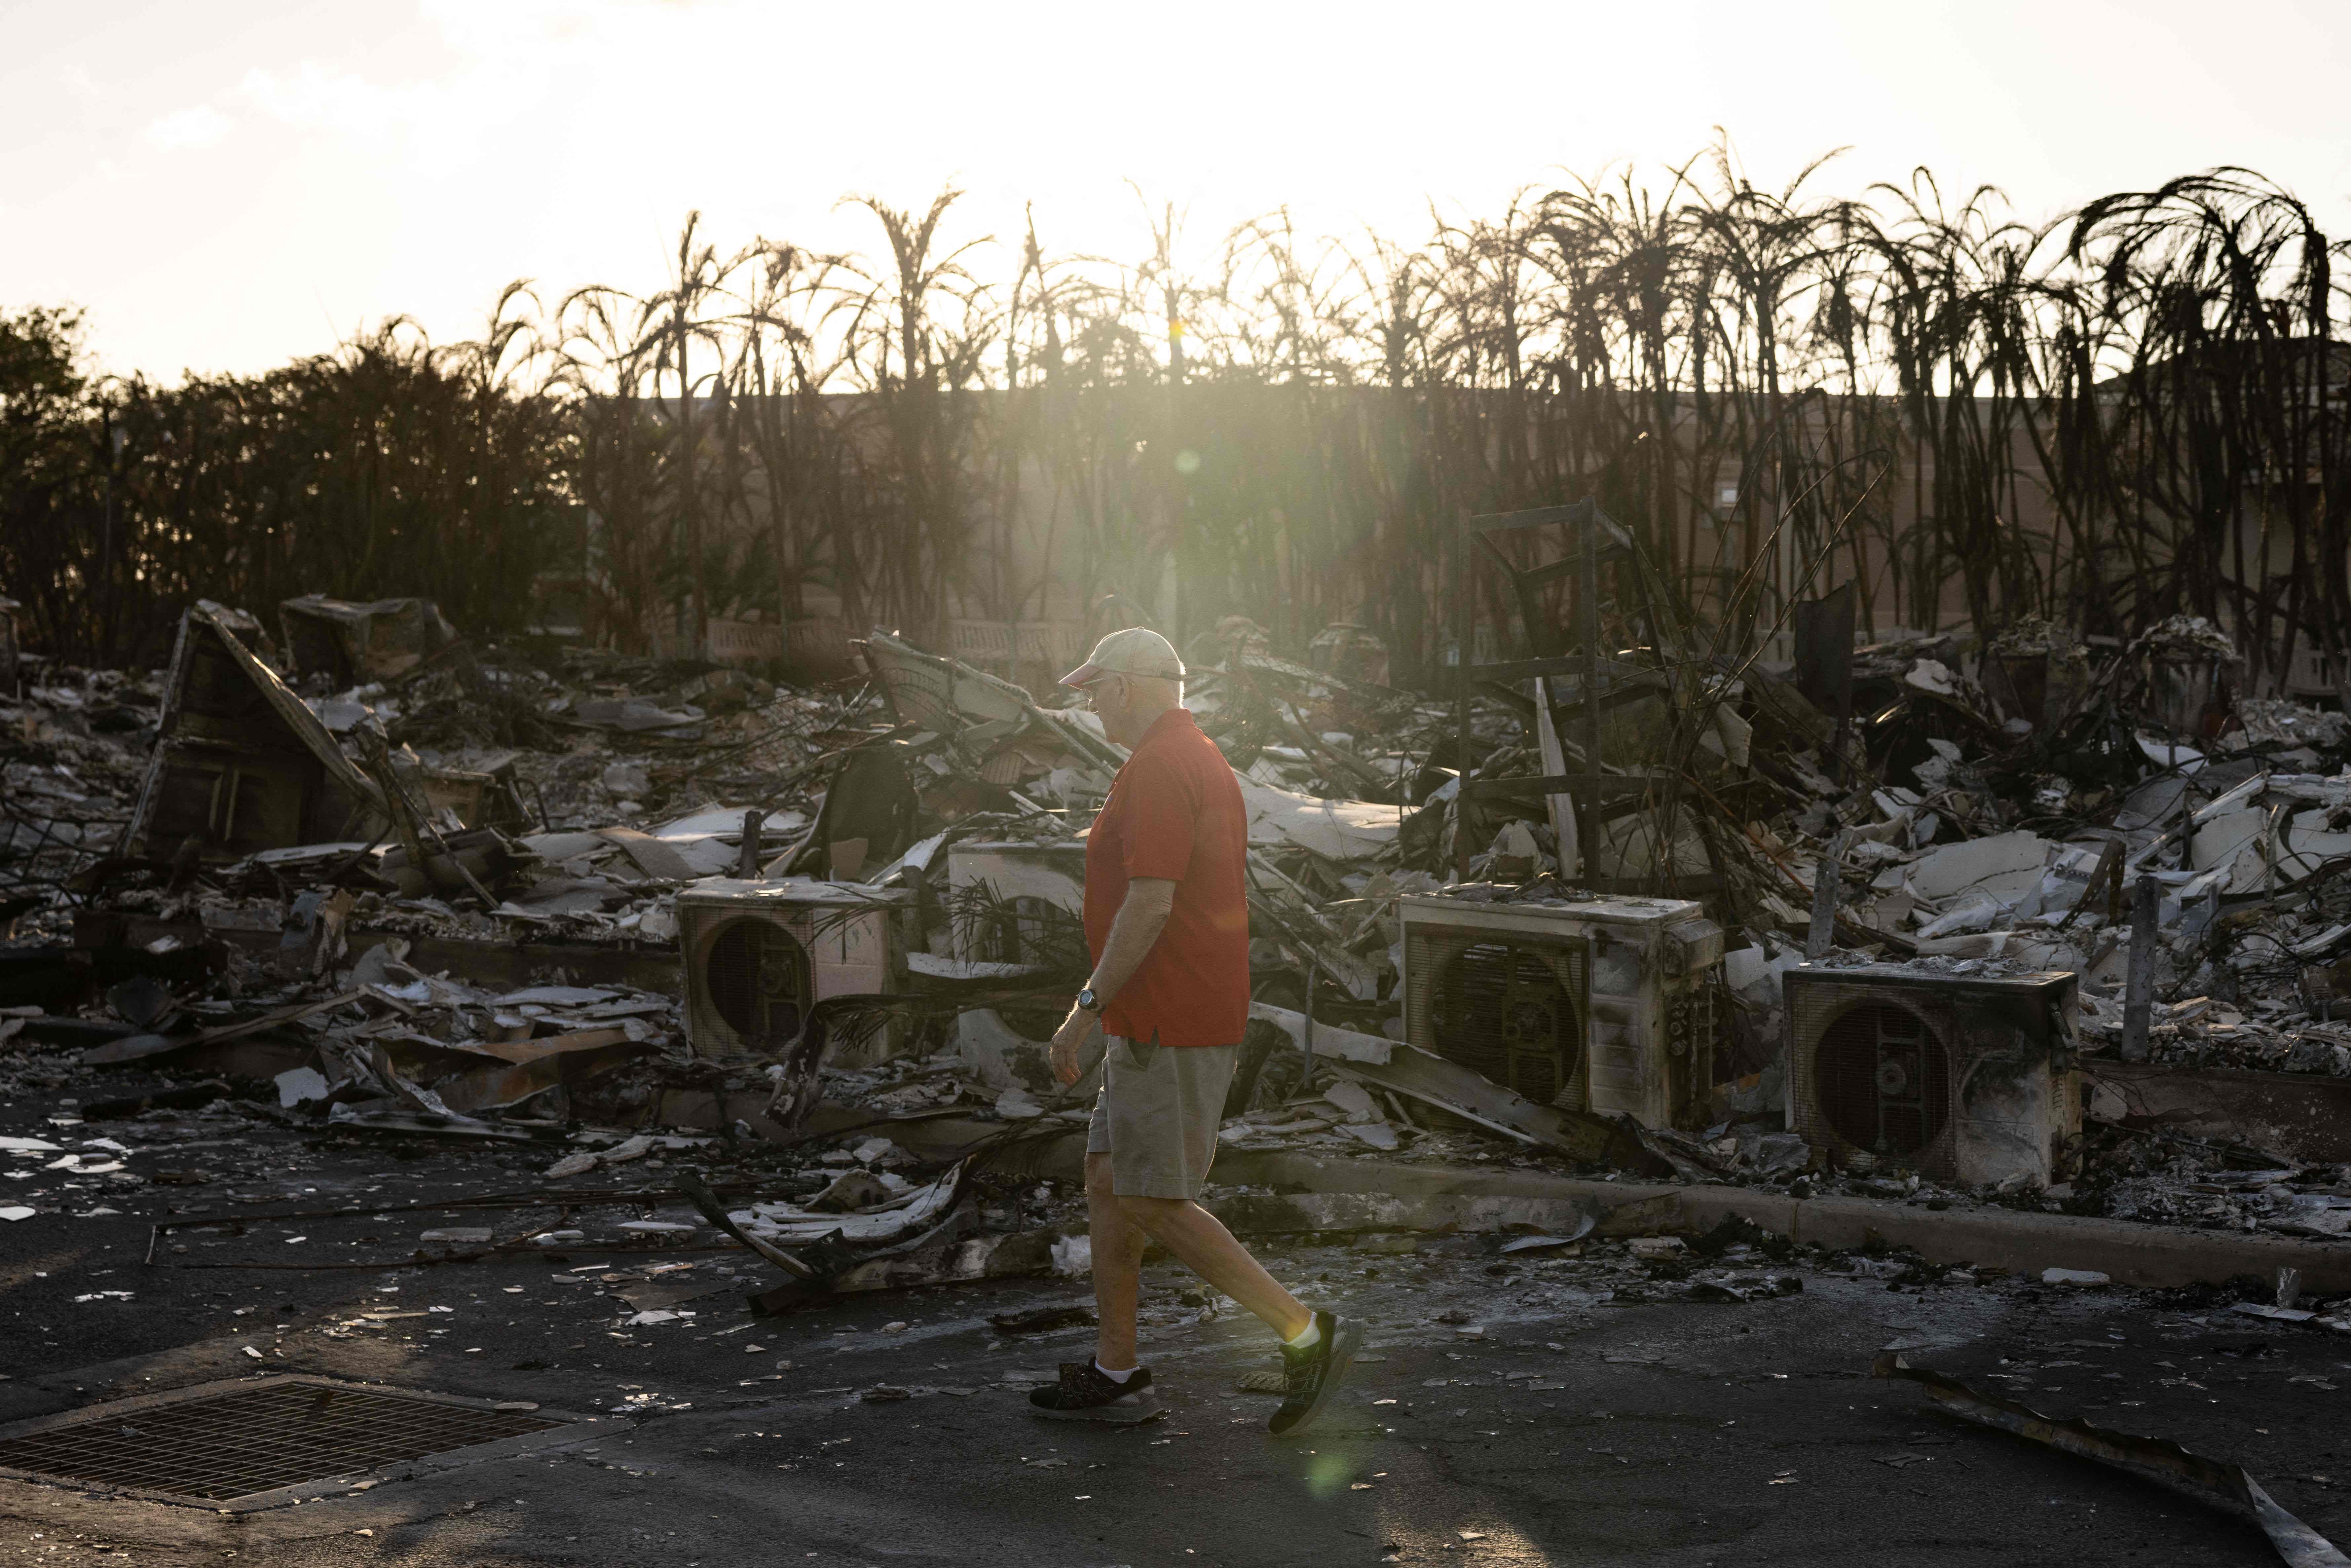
(1111, 697)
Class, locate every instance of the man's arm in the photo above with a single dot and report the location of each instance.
(1140, 920)
(1141, 917)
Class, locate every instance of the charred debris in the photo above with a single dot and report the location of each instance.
(2024, 921)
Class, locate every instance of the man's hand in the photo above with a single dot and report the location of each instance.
(1073, 1032)
(1141, 916)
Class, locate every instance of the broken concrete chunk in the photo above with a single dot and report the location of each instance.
(2079, 1277)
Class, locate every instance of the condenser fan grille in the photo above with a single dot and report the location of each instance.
(756, 978)
(923, 694)
(1505, 1011)
(1883, 1080)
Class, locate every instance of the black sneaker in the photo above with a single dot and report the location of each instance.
(1313, 1374)
(1085, 1395)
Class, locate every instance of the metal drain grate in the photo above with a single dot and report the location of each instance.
(256, 1438)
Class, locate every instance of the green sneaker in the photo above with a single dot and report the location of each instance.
(1313, 1374)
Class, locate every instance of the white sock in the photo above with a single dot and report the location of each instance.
(1306, 1337)
(1115, 1376)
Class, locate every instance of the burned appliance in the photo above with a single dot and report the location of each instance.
(759, 955)
(1966, 1079)
(1017, 904)
(1597, 1004)
(348, 644)
(241, 764)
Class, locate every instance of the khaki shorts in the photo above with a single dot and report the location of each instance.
(1157, 1114)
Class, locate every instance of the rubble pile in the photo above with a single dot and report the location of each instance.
(366, 877)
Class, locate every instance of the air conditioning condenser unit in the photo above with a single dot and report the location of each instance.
(759, 955)
(1965, 1078)
(1603, 1004)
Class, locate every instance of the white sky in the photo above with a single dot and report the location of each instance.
(226, 183)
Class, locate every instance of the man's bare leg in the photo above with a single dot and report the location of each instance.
(1117, 1267)
(1202, 1244)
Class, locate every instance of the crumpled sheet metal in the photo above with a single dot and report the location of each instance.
(2221, 1485)
(1409, 1071)
(1336, 830)
(908, 1212)
(1344, 1044)
(190, 739)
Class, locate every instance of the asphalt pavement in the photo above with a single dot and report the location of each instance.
(1570, 1409)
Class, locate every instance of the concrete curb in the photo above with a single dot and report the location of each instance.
(2129, 1253)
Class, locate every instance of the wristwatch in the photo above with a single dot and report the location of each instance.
(1089, 1001)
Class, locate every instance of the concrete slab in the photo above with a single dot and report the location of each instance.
(2005, 1238)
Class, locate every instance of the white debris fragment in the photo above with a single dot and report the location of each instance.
(299, 1085)
(2003, 867)
(1073, 1256)
(632, 780)
(585, 1160)
(1931, 675)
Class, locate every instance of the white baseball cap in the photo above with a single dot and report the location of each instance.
(1136, 650)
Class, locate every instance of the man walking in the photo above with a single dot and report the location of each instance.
(1167, 923)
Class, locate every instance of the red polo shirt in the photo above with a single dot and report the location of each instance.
(1175, 812)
